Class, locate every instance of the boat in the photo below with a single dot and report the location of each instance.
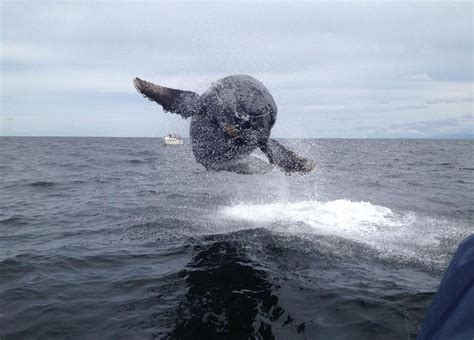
(452, 308)
(172, 138)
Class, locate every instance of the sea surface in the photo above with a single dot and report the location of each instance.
(127, 238)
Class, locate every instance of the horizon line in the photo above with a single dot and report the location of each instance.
(394, 138)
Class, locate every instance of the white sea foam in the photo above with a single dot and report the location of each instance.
(338, 214)
(362, 222)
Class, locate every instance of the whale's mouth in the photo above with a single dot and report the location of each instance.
(244, 134)
(247, 123)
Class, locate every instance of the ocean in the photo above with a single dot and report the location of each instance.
(127, 238)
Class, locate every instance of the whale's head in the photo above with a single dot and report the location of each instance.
(243, 107)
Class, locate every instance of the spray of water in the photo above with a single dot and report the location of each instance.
(390, 234)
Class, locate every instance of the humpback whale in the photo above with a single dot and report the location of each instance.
(231, 120)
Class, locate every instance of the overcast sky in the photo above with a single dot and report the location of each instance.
(355, 69)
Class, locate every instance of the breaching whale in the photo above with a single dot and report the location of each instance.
(232, 119)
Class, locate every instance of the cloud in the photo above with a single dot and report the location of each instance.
(451, 100)
(378, 64)
(461, 126)
(22, 52)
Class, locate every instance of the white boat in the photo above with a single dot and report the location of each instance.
(172, 138)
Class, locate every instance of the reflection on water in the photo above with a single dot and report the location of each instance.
(227, 297)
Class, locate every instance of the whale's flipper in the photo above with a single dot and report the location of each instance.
(184, 103)
(287, 160)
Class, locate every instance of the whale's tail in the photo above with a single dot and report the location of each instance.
(184, 103)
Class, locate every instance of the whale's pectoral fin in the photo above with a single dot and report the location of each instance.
(287, 160)
(184, 103)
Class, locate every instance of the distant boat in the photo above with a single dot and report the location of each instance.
(172, 138)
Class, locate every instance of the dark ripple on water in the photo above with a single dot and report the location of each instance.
(41, 184)
(16, 220)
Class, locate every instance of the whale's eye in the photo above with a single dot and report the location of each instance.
(242, 116)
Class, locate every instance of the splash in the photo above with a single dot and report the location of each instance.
(388, 232)
(340, 217)
(338, 214)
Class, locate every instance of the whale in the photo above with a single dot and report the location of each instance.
(230, 122)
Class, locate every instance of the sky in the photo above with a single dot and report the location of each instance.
(335, 69)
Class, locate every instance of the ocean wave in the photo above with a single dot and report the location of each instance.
(14, 220)
(136, 161)
(41, 184)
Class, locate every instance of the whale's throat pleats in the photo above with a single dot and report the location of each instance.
(184, 103)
